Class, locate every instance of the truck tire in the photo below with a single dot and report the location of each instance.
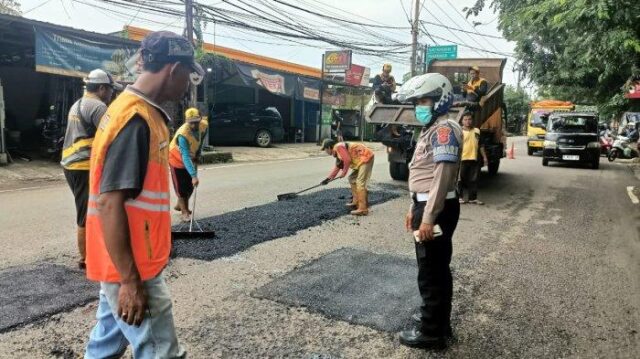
(545, 162)
(529, 151)
(399, 171)
(263, 138)
(493, 167)
(596, 164)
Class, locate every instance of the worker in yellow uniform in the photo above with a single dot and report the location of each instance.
(476, 87)
(359, 158)
(83, 119)
(470, 165)
(184, 150)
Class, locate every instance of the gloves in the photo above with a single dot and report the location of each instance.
(325, 181)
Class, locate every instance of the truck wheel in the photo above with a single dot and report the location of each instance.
(399, 171)
(493, 167)
(596, 164)
(545, 162)
(529, 151)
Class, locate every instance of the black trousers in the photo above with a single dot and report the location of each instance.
(468, 179)
(78, 181)
(434, 275)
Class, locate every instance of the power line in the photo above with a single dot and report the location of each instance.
(462, 30)
(454, 22)
(473, 27)
(452, 33)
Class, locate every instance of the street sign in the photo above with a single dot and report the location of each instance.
(337, 61)
(446, 52)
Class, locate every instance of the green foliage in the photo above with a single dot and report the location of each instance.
(517, 102)
(578, 50)
(10, 7)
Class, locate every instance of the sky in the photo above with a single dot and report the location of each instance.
(82, 15)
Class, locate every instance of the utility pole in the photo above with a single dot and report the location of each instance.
(193, 91)
(414, 35)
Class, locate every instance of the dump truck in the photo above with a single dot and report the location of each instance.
(398, 128)
(537, 121)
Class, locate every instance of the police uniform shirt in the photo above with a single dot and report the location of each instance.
(434, 167)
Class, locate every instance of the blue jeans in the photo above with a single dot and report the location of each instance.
(154, 338)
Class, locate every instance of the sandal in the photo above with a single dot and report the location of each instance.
(475, 201)
(462, 201)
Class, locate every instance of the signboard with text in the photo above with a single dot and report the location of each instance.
(337, 61)
(68, 54)
(444, 52)
(357, 75)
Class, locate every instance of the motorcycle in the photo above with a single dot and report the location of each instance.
(606, 143)
(53, 136)
(622, 148)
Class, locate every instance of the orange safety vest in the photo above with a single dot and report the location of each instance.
(148, 214)
(175, 157)
(474, 84)
(358, 152)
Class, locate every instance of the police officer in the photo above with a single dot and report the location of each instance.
(435, 209)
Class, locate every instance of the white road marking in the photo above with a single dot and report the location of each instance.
(634, 198)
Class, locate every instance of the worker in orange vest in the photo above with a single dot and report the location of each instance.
(128, 219)
(184, 151)
(359, 158)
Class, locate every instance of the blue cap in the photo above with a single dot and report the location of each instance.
(165, 47)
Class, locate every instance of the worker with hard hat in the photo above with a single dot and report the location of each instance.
(476, 87)
(82, 122)
(359, 158)
(184, 149)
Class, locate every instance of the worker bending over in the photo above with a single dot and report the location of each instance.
(184, 149)
(360, 158)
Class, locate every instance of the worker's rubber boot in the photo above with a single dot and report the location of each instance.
(82, 246)
(354, 197)
(363, 202)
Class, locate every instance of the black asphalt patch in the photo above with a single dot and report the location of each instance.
(28, 293)
(359, 287)
(239, 230)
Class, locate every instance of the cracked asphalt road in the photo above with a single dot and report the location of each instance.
(550, 267)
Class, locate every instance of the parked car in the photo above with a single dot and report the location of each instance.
(572, 137)
(242, 124)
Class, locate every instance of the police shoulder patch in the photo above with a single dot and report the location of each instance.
(446, 147)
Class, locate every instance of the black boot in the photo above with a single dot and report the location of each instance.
(415, 339)
(417, 319)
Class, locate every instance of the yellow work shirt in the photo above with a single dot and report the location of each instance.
(471, 142)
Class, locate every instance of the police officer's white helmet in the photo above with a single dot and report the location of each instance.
(431, 85)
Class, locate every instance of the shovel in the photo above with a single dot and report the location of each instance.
(194, 231)
(292, 195)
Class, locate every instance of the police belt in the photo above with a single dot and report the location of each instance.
(424, 197)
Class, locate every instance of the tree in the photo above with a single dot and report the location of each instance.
(517, 102)
(582, 50)
(10, 7)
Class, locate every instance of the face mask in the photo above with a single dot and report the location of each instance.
(424, 114)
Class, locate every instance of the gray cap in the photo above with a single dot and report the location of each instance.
(101, 77)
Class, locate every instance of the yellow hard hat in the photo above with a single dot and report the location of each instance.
(192, 115)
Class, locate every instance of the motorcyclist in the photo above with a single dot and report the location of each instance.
(631, 132)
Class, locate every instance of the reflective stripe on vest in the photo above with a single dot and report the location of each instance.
(175, 156)
(148, 214)
(76, 156)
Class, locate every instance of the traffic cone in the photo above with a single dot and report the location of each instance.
(511, 153)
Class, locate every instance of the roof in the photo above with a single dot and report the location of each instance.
(10, 21)
(137, 34)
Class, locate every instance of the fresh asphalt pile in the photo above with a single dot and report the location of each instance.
(32, 292)
(359, 287)
(239, 230)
